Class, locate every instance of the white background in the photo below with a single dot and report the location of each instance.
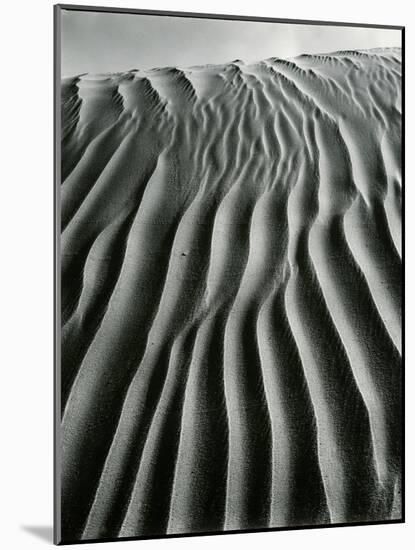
(26, 281)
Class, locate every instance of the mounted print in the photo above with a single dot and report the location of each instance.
(228, 274)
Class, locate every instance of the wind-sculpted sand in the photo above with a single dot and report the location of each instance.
(231, 296)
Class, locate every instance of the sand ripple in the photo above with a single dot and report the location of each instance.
(231, 296)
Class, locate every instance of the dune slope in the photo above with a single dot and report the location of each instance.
(231, 296)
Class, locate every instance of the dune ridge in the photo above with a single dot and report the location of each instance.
(231, 296)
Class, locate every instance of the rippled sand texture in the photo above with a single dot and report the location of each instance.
(231, 296)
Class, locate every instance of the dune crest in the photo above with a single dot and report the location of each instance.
(231, 296)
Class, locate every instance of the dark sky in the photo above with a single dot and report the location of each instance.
(106, 42)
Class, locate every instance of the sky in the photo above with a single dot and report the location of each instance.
(107, 42)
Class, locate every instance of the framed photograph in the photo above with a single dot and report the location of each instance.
(228, 207)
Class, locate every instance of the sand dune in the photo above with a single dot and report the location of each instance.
(231, 296)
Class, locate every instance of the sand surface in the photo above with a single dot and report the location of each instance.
(231, 296)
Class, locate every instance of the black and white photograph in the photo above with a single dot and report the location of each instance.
(229, 289)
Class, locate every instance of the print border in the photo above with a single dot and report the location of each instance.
(58, 8)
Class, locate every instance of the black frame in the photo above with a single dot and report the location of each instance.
(57, 8)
